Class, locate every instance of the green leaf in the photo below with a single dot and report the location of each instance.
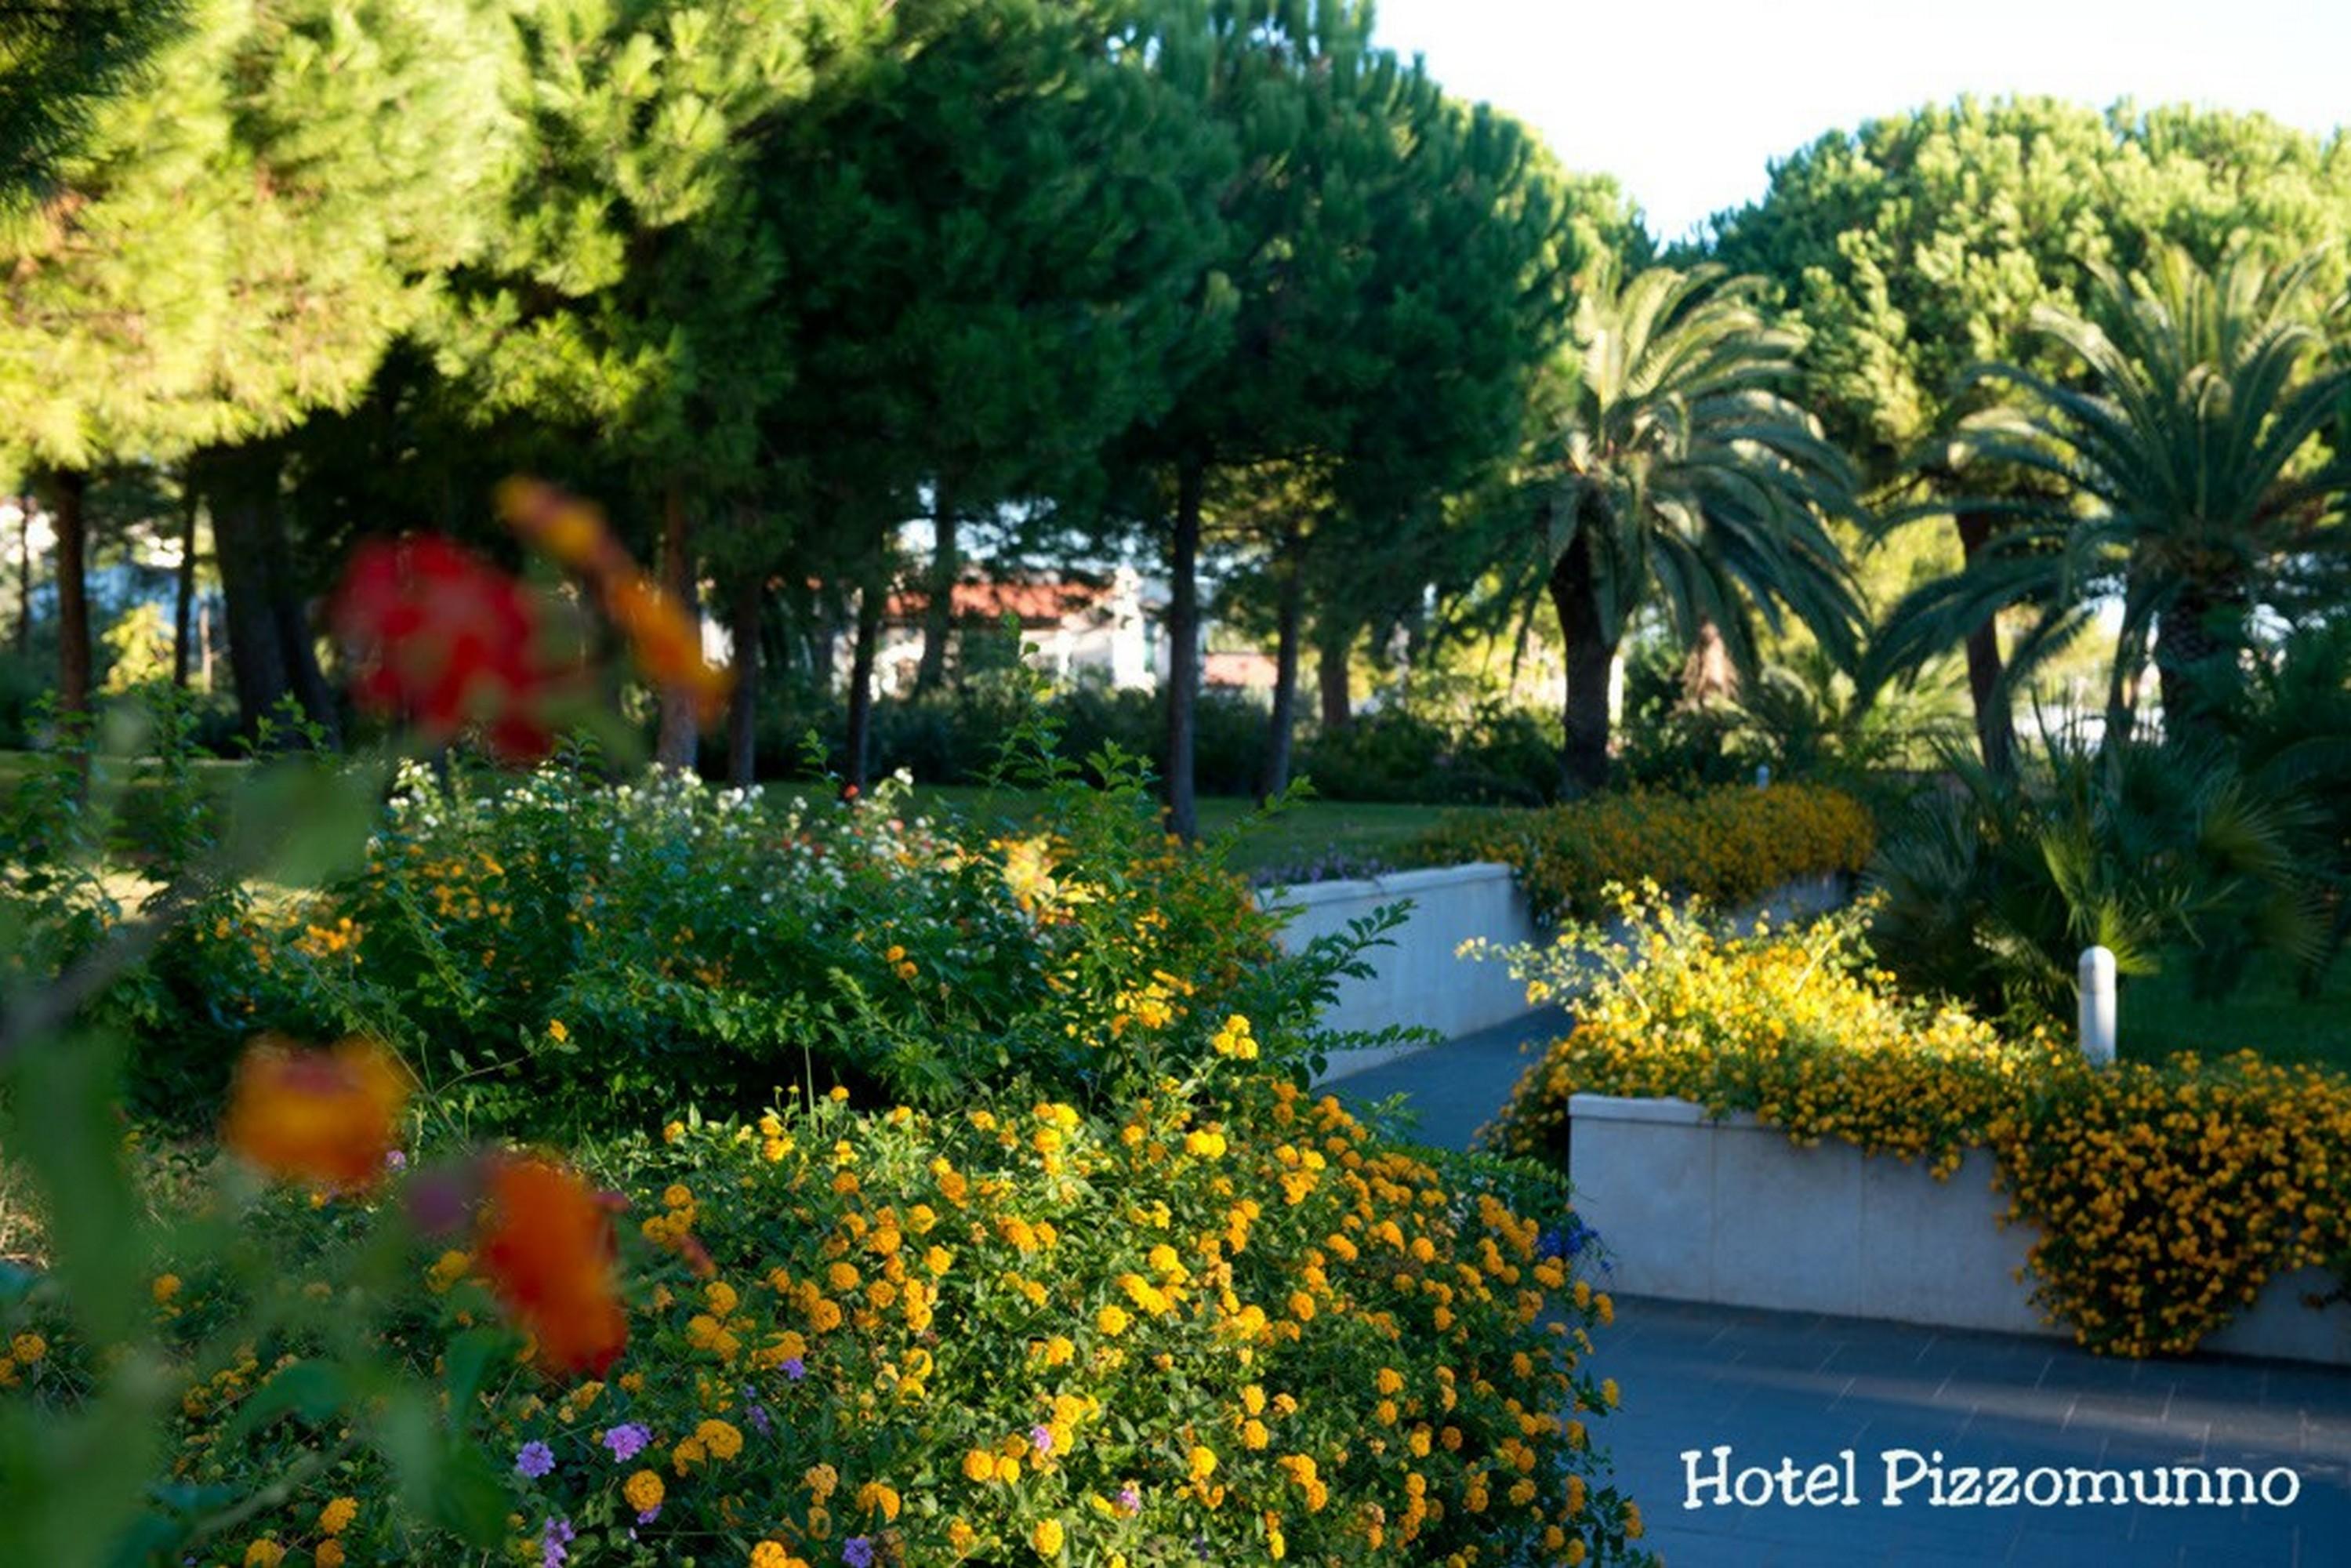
(313, 1390)
(335, 805)
(467, 1364)
(63, 1128)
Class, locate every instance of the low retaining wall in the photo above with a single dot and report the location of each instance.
(1733, 1212)
(1419, 980)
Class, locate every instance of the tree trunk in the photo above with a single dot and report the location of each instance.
(1333, 646)
(1576, 596)
(675, 745)
(1995, 727)
(183, 595)
(271, 649)
(256, 661)
(1184, 647)
(938, 608)
(69, 493)
(743, 715)
(1709, 676)
(25, 576)
(870, 598)
(2192, 663)
(1289, 612)
(289, 609)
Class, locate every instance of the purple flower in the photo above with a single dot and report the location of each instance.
(553, 1538)
(395, 1159)
(1130, 1499)
(646, 1516)
(535, 1460)
(758, 1414)
(858, 1551)
(1041, 1438)
(626, 1441)
(795, 1368)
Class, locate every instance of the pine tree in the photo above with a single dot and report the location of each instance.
(59, 61)
(1335, 323)
(633, 292)
(237, 244)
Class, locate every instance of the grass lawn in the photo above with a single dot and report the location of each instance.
(2268, 1014)
(1308, 833)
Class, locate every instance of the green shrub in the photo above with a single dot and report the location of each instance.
(1494, 756)
(554, 953)
(2166, 855)
(1727, 846)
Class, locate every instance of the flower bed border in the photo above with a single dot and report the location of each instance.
(1733, 1212)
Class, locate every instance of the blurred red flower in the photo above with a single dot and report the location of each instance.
(546, 1249)
(442, 639)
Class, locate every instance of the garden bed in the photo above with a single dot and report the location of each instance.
(1731, 1211)
(1422, 979)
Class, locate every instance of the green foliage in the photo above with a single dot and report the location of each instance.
(1726, 846)
(1924, 242)
(1492, 754)
(557, 954)
(2166, 854)
(1483, 752)
(138, 648)
(1800, 716)
(59, 63)
(247, 226)
(2181, 469)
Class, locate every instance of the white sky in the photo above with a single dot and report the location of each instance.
(1686, 103)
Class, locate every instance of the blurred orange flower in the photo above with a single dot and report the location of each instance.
(329, 1117)
(569, 531)
(662, 632)
(546, 1247)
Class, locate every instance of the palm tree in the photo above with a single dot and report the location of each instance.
(2181, 474)
(1683, 480)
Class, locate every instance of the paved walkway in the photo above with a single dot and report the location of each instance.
(1775, 1385)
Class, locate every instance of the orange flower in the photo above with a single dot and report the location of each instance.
(665, 640)
(662, 632)
(546, 1247)
(567, 528)
(322, 1116)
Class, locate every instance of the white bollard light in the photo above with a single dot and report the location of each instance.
(2097, 1017)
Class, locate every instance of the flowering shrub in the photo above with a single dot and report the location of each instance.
(555, 952)
(1246, 1332)
(2164, 1197)
(1160, 1310)
(1727, 845)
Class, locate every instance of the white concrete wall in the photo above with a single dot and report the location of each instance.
(1420, 979)
(1733, 1212)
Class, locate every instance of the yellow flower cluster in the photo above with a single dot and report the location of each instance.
(2164, 1197)
(1727, 845)
(1031, 1334)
